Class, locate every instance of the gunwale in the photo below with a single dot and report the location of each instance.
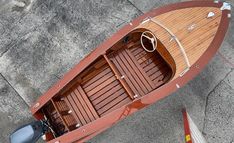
(104, 122)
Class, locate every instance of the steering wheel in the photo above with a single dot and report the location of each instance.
(151, 37)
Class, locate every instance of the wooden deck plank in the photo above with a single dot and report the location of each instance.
(193, 52)
(133, 44)
(138, 50)
(133, 49)
(166, 78)
(94, 65)
(112, 104)
(128, 77)
(116, 106)
(145, 61)
(109, 99)
(98, 82)
(97, 77)
(131, 70)
(91, 74)
(155, 69)
(159, 77)
(152, 65)
(140, 53)
(141, 72)
(73, 111)
(71, 122)
(101, 86)
(159, 72)
(88, 103)
(100, 63)
(84, 105)
(107, 94)
(143, 55)
(92, 97)
(176, 20)
(196, 42)
(125, 86)
(78, 104)
(76, 109)
(181, 31)
(159, 80)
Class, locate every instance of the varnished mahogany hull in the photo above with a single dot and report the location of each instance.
(98, 121)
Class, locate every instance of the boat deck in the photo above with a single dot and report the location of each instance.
(192, 28)
(114, 80)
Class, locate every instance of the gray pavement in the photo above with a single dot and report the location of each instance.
(42, 40)
(13, 110)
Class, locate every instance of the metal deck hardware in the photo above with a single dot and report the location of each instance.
(226, 6)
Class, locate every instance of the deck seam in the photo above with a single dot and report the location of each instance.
(135, 7)
(108, 98)
(111, 93)
(208, 95)
(4, 78)
(101, 91)
(129, 79)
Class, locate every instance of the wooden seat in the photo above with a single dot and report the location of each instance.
(153, 65)
(81, 107)
(113, 81)
(133, 73)
(60, 125)
(103, 89)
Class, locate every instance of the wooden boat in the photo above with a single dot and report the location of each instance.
(151, 57)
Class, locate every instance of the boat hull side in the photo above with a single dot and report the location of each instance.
(95, 127)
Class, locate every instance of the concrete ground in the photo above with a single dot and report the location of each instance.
(40, 40)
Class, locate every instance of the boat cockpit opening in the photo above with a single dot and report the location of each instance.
(133, 67)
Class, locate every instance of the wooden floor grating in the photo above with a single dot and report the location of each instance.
(104, 89)
(153, 65)
(133, 73)
(79, 103)
(111, 82)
